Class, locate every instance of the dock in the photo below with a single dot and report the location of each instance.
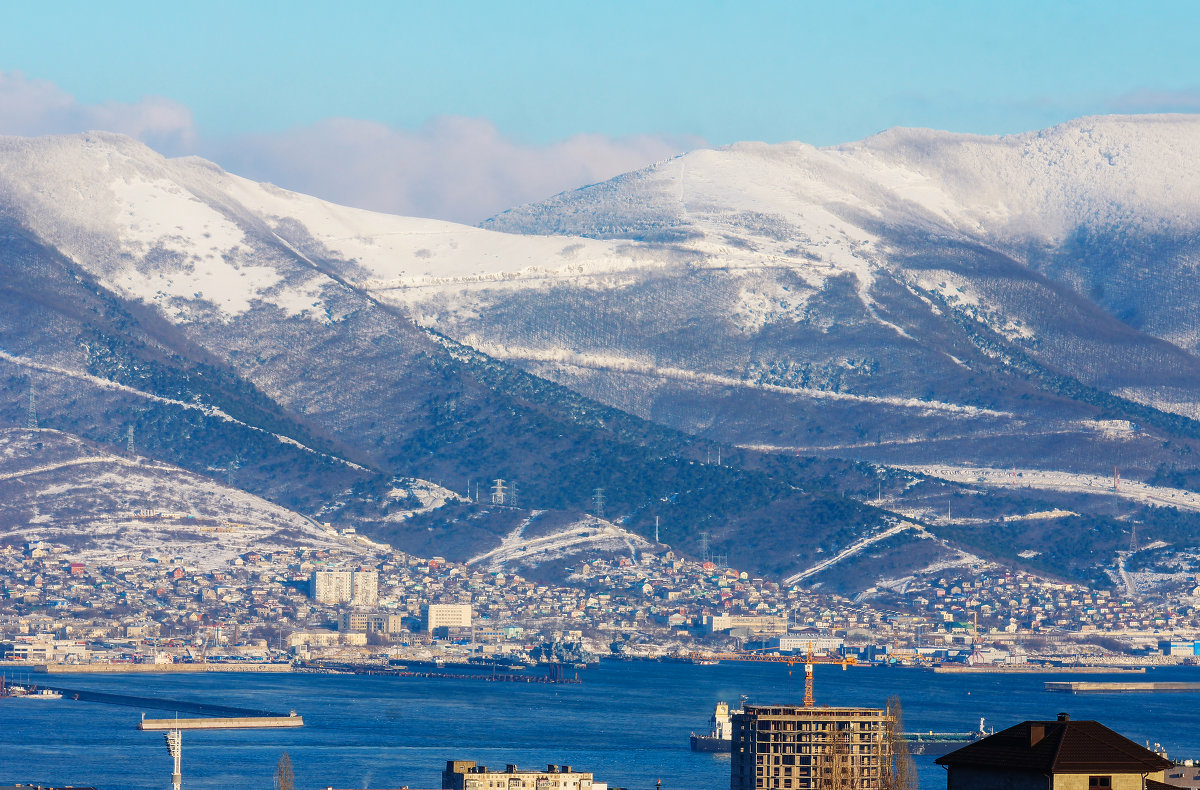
(1034, 669)
(1084, 686)
(163, 669)
(234, 723)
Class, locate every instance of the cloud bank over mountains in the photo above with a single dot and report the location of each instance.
(455, 168)
(452, 167)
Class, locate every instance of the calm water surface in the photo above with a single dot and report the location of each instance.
(627, 722)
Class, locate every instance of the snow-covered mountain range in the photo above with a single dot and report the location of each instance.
(917, 298)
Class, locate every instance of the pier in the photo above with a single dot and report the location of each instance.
(1084, 686)
(166, 669)
(1035, 669)
(400, 672)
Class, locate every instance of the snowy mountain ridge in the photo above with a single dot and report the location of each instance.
(917, 299)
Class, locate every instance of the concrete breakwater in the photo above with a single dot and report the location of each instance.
(235, 723)
(157, 703)
(121, 668)
(1078, 686)
(1022, 669)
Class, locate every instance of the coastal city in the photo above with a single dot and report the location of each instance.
(308, 605)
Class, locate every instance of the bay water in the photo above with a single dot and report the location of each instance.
(627, 722)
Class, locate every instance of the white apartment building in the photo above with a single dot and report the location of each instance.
(360, 588)
(447, 615)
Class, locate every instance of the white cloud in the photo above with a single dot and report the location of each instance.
(453, 167)
(31, 108)
(1152, 101)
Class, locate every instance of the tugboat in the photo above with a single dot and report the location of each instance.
(720, 738)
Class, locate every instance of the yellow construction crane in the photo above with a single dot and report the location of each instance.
(809, 660)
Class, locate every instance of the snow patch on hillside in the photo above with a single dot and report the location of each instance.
(104, 506)
(587, 534)
(159, 213)
(1049, 480)
(567, 357)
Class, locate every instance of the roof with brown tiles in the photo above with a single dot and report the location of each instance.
(1058, 747)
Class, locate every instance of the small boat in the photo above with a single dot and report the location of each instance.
(43, 694)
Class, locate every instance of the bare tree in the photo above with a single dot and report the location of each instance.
(900, 773)
(285, 779)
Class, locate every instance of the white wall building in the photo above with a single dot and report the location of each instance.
(447, 615)
(360, 588)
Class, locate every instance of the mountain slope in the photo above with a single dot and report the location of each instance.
(907, 300)
(235, 340)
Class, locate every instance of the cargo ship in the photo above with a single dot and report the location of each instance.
(936, 744)
(720, 736)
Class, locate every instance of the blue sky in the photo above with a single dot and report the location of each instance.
(231, 80)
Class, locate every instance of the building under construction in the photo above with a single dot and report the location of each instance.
(799, 748)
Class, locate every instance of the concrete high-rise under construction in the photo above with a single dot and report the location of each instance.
(799, 748)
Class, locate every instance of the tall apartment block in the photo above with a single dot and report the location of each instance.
(359, 588)
(788, 747)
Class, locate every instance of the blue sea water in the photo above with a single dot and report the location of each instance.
(626, 722)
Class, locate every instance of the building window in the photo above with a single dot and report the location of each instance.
(1099, 781)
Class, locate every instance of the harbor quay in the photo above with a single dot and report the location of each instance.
(627, 723)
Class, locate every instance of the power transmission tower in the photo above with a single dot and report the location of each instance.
(31, 420)
(498, 492)
(598, 503)
(129, 440)
(704, 546)
(234, 464)
(512, 493)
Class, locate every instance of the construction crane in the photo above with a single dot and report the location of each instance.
(791, 661)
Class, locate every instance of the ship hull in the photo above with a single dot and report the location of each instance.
(709, 743)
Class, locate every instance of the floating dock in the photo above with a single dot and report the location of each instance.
(1085, 686)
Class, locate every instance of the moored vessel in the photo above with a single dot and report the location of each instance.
(720, 737)
(936, 744)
